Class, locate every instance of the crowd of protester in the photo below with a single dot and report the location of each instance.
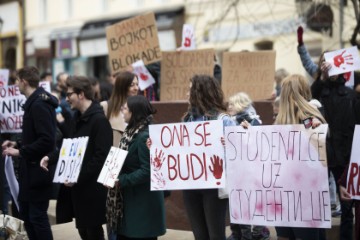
(116, 113)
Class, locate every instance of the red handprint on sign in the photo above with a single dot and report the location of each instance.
(158, 180)
(217, 170)
(144, 77)
(188, 38)
(340, 59)
(158, 160)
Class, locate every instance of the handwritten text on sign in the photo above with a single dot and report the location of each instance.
(277, 176)
(250, 72)
(133, 40)
(353, 179)
(187, 155)
(112, 166)
(11, 112)
(177, 68)
(70, 160)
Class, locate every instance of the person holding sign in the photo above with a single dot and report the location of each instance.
(88, 197)
(133, 211)
(205, 210)
(241, 109)
(37, 139)
(126, 84)
(339, 110)
(295, 108)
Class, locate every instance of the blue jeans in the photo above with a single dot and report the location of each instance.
(206, 213)
(36, 220)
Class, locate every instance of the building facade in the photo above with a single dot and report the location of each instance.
(69, 35)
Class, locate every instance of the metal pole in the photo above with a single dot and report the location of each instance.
(341, 23)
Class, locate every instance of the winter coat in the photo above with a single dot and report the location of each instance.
(144, 210)
(38, 138)
(249, 114)
(88, 197)
(338, 107)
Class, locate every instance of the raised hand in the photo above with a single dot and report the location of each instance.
(300, 32)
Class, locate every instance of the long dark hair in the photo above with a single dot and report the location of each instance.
(119, 93)
(206, 96)
(141, 111)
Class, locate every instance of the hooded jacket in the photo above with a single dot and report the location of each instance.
(88, 197)
(338, 106)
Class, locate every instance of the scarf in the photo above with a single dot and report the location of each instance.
(114, 200)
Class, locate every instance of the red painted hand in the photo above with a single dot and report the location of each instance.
(340, 59)
(217, 169)
(144, 77)
(187, 42)
(158, 160)
(188, 38)
(158, 180)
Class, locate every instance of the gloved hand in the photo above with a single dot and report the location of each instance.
(300, 32)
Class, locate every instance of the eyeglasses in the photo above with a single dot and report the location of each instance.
(68, 94)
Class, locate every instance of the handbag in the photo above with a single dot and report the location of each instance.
(12, 228)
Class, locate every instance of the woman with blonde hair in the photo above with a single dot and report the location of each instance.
(296, 104)
(241, 108)
(295, 107)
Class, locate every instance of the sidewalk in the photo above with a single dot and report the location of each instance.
(68, 231)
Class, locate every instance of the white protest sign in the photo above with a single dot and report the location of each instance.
(11, 179)
(144, 76)
(187, 155)
(4, 77)
(112, 166)
(277, 176)
(188, 37)
(45, 85)
(70, 159)
(11, 112)
(343, 60)
(352, 185)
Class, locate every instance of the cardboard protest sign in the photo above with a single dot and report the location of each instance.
(277, 176)
(187, 155)
(177, 68)
(353, 180)
(112, 166)
(133, 40)
(11, 112)
(4, 77)
(250, 72)
(188, 38)
(70, 159)
(343, 60)
(144, 76)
